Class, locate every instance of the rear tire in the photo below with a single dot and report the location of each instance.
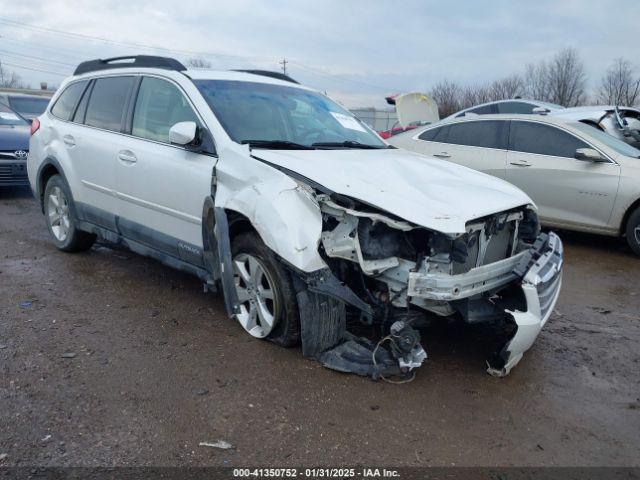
(59, 212)
(265, 291)
(633, 231)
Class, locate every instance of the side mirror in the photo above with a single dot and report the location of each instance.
(540, 110)
(589, 155)
(183, 133)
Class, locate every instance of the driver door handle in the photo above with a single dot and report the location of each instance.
(442, 155)
(521, 163)
(127, 157)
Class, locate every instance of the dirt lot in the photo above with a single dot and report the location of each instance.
(159, 368)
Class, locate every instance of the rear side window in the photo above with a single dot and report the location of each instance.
(159, 106)
(486, 134)
(439, 134)
(543, 139)
(515, 107)
(107, 103)
(67, 101)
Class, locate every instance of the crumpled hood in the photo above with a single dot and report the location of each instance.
(423, 190)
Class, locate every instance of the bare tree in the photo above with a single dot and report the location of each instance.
(197, 62)
(507, 87)
(447, 95)
(536, 81)
(567, 78)
(473, 95)
(10, 79)
(620, 85)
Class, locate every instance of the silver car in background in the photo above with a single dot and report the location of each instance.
(621, 122)
(579, 177)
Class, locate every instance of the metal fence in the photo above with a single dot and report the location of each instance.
(377, 119)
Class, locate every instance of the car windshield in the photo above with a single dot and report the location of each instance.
(610, 141)
(10, 118)
(277, 116)
(29, 105)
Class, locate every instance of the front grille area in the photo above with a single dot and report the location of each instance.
(547, 291)
(14, 173)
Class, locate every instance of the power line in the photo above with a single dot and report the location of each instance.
(36, 28)
(15, 65)
(33, 57)
(132, 45)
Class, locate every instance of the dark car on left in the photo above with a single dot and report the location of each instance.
(14, 148)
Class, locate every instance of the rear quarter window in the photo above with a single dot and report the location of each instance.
(67, 101)
(439, 134)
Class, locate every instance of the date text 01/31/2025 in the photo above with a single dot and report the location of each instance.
(315, 473)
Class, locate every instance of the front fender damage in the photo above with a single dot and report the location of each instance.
(353, 265)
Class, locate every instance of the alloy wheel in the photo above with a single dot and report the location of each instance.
(256, 295)
(58, 213)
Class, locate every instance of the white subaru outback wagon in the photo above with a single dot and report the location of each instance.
(304, 218)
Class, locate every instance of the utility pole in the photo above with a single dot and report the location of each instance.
(284, 65)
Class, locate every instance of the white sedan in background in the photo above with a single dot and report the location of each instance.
(580, 177)
(621, 122)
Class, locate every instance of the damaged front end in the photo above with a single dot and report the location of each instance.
(387, 272)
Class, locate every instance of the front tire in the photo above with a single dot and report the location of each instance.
(633, 231)
(268, 306)
(59, 212)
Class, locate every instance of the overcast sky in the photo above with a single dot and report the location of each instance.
(358, 51)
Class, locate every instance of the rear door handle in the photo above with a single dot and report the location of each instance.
(69, 141)
(442, 155)
(521, 163)
(127, 157)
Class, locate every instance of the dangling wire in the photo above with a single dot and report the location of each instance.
(388, 380)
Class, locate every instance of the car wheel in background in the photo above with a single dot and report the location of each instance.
(268, 306)
(59, 214)
(633, 231)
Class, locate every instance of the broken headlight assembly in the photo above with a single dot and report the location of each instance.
(402, 276)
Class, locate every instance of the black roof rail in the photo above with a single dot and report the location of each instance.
(269, 73)
(139, 61)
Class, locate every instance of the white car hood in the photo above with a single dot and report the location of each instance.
(432, 193)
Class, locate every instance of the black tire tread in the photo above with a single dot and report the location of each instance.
(632, 223)
(77, 240)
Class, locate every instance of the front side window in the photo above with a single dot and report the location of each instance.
(481, 133)
(9, 118)
(107, 103)
(516, 107)
(610, 141)
(67, 101)
(159, 106)
(278, 116)
(530, 137)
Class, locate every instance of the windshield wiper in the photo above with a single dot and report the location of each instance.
(277, 144)
(346, 144)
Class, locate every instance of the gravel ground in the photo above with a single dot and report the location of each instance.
(108, 358)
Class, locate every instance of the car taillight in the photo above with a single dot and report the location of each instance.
(35, 125)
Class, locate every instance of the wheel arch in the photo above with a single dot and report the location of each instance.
(632, 208)
(47, 169)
